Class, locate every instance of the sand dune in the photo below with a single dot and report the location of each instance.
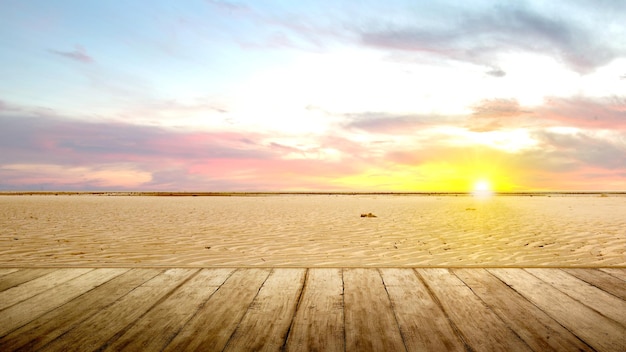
(312, 230)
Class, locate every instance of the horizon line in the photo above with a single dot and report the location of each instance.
(260, 193)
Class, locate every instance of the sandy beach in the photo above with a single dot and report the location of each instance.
(312, 231)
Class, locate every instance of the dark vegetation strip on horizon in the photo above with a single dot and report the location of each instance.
(247, 194)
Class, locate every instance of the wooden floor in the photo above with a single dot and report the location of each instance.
(320, 309)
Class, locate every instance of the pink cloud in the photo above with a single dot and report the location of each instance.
(273, 174)
(586, 179)
(605, 113)
(175, 159)
(498, 108)
(78, 54)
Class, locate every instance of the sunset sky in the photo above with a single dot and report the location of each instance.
(312, 95)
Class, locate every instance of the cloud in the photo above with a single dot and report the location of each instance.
(583, 149)
(172, 110)
(45, 139)
(496, 114)
(229, 6)
(79, 54)
(576, 112)
(386, 123)
(497, 108)
(554, 145)
(584, 112)
(496, 72)
(284, 27)
(46, 176)
(39, 152)
(7, 107)
(478, 37)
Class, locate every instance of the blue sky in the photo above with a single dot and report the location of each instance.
(313, 95)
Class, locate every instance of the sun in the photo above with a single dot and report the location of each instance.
(482, 188)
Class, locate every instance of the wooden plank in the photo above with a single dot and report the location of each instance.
(5, 271)
(318, 323)
(21, 276)
(39, 332)
(159, 326)
(619, 273)
(535, 327)
(94, 332)
(601, 280)
(596, 330)
(265, 325)
(219, 317)
(480, 327)
(370, 323)
(603, 302)
(36, 286)
(25, 311)
(414, 306)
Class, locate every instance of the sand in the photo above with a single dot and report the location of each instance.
(312, 231)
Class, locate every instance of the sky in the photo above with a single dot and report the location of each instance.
(324, 95)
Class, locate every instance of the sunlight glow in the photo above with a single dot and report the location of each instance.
(482, 189)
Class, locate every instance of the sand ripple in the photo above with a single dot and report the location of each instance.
(312, 230)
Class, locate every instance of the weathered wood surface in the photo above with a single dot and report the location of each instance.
(317, 309)
(536, 328)
(370, 323)
(591, 326)
(318, 323)
(213, 325)
(29, 309)
(49, 326)
(423, 323)
(14, 277)
(108, 322)
(591, 296)
(5, 271)
(477, 323)
(32, 288)
(617, 272)
(265, 325)
(602, 280)
(159, 326)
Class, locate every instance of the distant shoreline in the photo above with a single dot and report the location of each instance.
(257, 194)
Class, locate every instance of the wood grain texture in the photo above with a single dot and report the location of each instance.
(36, 286)
(219, 317)
(157, 328)
(266, 323)
(481, 328)
(6, 271)
(95, 331)
(20, 276)
(26, 311)
(619, 273)
(605, 303)
(41, 331)
(318, 323)
(602, 280)
(536, 328)
(423, 324)
(321, 309)
(370, 321)
(596, 330)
